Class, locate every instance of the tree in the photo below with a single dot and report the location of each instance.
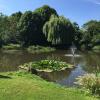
(31, 24)
(59, 31)
(78, 35)
(92, 27)
(13, 20)
(45, 13)
(25, 27)
(4, 29)
(8, 28)
(91, 35)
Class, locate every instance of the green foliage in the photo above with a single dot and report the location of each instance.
(48, 65)
(77, 35)
(31, 24)
(13, 20)
(1, 41)
(11, 47)
(25, 27)
(45, 13)
(96, 39)
(96, 48)
(93, 27)
(4, 29)
(91, 36)
(29, 28)
(40, 49)
(90, 82)
(45, 27)
(58, 30)
(8, 28)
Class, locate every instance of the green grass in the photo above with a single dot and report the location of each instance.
(96, 48)
(39, 49)
(24, 86)
(11, 47)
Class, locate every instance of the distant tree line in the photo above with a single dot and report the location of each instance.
(45, 27)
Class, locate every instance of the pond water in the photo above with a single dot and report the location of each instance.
(87, 62)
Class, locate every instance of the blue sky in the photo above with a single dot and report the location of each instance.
(76, 10)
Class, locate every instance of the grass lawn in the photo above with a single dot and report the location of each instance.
(11, 47)
(24, 86)
(40, 49)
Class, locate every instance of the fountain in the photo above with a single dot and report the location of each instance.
(73, 50)
(72, 55)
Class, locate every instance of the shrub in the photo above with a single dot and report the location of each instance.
(90, 82)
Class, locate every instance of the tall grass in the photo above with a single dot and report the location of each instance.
(91, 82)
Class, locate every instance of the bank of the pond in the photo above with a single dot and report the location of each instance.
(31, 49)
(40, 49)
(46, 66)
(24, 86)
(96, 48)
(11, 47)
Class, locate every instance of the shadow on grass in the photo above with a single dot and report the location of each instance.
(4, 77)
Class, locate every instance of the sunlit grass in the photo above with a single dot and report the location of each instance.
(24, 86)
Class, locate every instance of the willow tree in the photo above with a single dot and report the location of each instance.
(45, 13)
(59, 30)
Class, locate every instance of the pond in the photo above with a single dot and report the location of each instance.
(85, 63)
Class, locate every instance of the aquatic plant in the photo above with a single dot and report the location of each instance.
(48, 65)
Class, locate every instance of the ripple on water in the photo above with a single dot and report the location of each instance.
(70, 55)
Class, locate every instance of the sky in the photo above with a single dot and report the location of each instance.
(79, 11)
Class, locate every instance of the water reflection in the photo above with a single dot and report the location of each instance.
(91, 62)
(55, 76)
(86, 63)
(10, 60)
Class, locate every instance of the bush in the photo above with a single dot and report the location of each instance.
(90, 82)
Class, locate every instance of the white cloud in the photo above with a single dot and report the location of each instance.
(4, 8)
(97, 2)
